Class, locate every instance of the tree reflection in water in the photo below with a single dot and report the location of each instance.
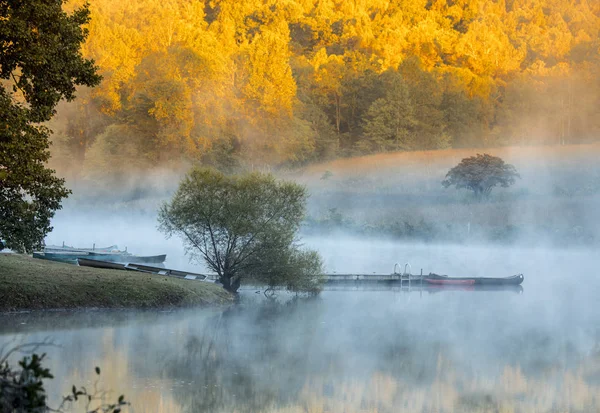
(352, 351)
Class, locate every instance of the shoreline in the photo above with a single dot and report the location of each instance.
(28, 284)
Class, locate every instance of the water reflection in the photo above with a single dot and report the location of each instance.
(377, 349)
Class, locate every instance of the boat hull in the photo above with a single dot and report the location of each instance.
(95, 263)
(65, 248)
(69, 258)
(85, 262)
(435, 279)
(72, 256)
(151, 259)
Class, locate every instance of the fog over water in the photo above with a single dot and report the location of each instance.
(356, 348)
(370, 348)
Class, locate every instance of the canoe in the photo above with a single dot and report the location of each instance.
(166, 271)
(436, 279)
(126, 257)
(438, 288)
(70, 258)
(95, 263)
(150, 259)
(65, 248)
(85, 262)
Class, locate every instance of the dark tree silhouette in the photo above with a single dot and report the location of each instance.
(480, 174)
(40, 64)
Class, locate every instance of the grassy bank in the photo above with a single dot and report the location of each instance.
(399, 195)
(28, 284)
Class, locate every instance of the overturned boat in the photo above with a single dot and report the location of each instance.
(148, 259)
(111, 253)
(95, 263)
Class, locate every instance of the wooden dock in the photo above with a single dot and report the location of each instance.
(333, 278)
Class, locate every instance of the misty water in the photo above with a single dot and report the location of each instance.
(364, 348)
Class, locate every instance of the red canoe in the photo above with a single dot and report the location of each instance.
(437, 279)
(449, 281)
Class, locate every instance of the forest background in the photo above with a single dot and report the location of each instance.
(254, 83)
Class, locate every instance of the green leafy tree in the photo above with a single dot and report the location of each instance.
(243, 227)
(480, 174)
(425, 93)
(390, 120)
(40, 64)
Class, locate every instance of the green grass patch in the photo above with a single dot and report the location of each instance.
(33, 284)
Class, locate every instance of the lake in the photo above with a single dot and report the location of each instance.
(357, 349)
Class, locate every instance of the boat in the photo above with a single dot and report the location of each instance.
(126, 257)
(438, 288)
(437, 279)
(166, 271)
(67, 257)
(86, 262)
(63, 248)
(95, 263)
(70, 255)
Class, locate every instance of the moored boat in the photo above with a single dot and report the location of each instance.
(150, 259)
(166, 271)
(86, 262)
(436, 279)
(96, 263)
(60, 256)
(437, 288)
(67, 248)
(112, 254)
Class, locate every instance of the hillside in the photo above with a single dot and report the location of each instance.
(249, 83)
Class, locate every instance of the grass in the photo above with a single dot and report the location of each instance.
(428, 164)
(32, 284)
(543, 170)
(557, 198)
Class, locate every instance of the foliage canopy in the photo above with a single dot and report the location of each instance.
(40, 64)
(243, 227)
(480, 174)
(231, 82)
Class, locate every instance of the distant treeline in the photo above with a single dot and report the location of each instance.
(265, 82)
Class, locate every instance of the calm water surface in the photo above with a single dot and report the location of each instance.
(535, 349)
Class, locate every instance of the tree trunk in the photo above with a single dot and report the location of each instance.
(338, 112)
(231, 282)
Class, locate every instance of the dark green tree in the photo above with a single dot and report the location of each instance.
(243, 227)
(22, 389)
(425, 93)
(390, 120)
(480, 174)
(40, 64)
(464, 116)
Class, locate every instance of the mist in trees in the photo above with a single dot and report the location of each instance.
(255, 82)
(480, 174)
